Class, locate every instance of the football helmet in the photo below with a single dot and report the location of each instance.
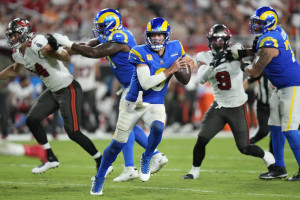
(218, 38)
(263, 20)
(157, 25)
(20, 26)
(106, 21)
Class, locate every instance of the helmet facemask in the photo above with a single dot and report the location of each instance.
(156, 44)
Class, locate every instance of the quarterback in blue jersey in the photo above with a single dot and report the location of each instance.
(155, 63)
(276, 57)
(114, 42)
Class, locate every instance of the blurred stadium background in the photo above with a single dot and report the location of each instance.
(190, 21)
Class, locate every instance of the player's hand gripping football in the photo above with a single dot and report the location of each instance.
(63, 40)
(178, 64)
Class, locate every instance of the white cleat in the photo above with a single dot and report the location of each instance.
(109, 170)
(44, 167)
(129, 173)
(158, 161)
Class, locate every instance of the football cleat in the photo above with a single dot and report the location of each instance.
(158, 161)
(109, 170)
(45, 166)
(129, 173)
(193, 173)
(188, 176)
(97, 186)
(296, 177)
(145, 168)
(274, 173)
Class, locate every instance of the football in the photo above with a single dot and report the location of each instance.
(184, 75)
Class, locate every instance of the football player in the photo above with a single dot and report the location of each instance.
(155, 62)
(276, 57)
(114, 42)
(229, 105)
(64, 93)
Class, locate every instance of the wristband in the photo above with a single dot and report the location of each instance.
(59, 50)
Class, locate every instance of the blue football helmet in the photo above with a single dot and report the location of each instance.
(106, 21)
(157, 25)
(263, 20)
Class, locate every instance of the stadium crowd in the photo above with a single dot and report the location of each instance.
(190, 20)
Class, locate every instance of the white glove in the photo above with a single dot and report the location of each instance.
(63, 40)
(139, 100)
(235, 53)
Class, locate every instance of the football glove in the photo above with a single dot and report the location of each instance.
(63, 40)
(52, 42)
(218, 59)
(254, 44)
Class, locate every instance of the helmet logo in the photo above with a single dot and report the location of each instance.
(23, 23)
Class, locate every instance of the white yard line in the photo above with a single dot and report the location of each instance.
(153, 188)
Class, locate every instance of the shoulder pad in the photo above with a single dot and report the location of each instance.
(38, 42)
(268, 42)
(136, 55)
(118, 36)
(236, 46)
(204, 56)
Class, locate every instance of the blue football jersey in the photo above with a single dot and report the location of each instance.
(119, 63)
(284, 70)
(143, 54)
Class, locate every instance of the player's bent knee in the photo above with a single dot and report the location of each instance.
(32, 121)
(201, 142)
(121, 136)
(244, 150)
(157, 127)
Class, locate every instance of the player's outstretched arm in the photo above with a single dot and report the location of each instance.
(263, 58)
(60, 54)
(98, 51)
(11, 71)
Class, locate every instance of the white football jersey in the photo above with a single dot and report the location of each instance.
(226, 80)
(84, 71)
(52, 71)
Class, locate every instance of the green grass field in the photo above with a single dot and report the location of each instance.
(225, 174)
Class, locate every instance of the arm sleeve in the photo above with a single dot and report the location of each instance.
(203, 73)
(146, 80)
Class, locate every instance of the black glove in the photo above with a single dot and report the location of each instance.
(254, 44)
(228, 56)
(52, 42)
(218, 59)
(243, 66)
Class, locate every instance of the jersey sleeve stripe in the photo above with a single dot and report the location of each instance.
(121, 32)
(135, 52)
(182, 49)
(261, 44)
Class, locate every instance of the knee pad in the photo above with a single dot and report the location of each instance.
(121, 136)
(32, 121)
(157, 127)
